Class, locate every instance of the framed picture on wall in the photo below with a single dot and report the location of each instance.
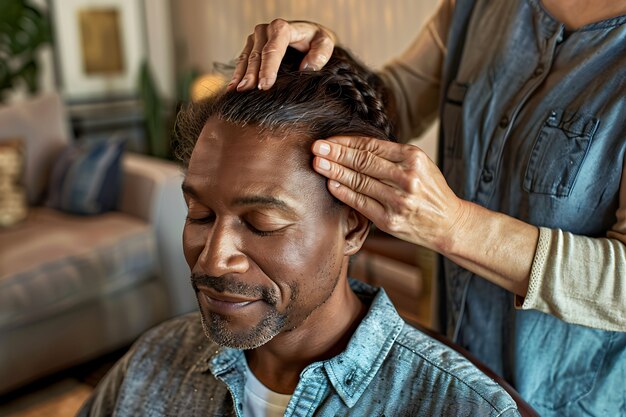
(99, 47)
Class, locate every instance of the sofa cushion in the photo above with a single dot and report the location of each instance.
(87, 179)
(41, 123)
(54, 261)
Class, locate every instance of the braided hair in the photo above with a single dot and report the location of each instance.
(343, 98)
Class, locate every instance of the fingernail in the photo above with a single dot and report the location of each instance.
(323, 148)
(309, 67)
(334, 184)
(324, 164)
(243, 83)
(263, 84)
(230, 85)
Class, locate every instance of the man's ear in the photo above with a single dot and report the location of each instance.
(358, 227)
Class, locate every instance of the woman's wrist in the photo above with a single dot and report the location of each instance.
(493, 245)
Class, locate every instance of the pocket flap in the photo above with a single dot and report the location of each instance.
(573, 123)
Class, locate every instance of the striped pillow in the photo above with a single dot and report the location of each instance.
(87, 180)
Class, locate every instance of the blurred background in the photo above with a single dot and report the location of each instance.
(91, 212)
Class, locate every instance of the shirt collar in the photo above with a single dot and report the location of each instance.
(351, 371)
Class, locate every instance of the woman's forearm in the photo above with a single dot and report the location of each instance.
(578, 279)
(492, 245)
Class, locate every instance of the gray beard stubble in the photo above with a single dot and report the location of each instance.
(216, 326)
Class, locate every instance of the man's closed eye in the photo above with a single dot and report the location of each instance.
(200, 218)
(264, 224)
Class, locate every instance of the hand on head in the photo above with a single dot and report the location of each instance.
(396, 186)
(258, 63)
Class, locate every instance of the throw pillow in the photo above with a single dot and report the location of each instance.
(87, 179)
(13, 207)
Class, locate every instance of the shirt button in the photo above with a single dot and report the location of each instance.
(559, 38)
(487, 176)
(538, 70)
(504, 122)
(552, 117)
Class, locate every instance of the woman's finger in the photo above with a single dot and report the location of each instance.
(374, 162)
(279, 35)
(320, 49)
(365, 205)
(370, 166)
(258, 63)
(391, 151)
(242, 64)
(250, 79)
(361, 183)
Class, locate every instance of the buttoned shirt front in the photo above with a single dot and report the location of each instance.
(388, 368)
(532, 125)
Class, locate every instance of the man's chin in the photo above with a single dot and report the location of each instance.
(220, 330)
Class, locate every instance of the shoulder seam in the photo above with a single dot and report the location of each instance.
(499, 410)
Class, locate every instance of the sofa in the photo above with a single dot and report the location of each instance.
(74, 287)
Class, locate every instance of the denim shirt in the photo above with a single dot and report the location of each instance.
(534, 126)
(387, 369)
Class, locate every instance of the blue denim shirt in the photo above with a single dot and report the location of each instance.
(387, 369)
(534, 126)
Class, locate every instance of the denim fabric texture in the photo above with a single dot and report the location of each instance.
(387, 369)
(534, 126)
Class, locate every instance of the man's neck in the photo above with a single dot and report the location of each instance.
(575, 14)
(323, 335)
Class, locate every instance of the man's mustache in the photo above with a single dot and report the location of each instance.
(235, 287)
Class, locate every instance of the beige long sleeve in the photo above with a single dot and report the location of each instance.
(414, 77)
(578, 279)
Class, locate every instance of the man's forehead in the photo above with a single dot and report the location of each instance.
(220, 142)
(241, 162)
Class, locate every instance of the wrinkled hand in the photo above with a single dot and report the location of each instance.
(258, 63)
(396, 186)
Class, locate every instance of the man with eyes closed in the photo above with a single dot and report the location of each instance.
(281, 329)
(268, 266)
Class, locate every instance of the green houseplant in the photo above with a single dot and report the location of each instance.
(154, 114)
(24, 28)
(159, 113)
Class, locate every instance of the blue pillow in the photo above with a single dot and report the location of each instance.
(87, 179)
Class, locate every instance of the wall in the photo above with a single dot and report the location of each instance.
(156, 25)
(208, 31)
(183, 34)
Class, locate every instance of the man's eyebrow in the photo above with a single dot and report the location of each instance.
(252, 200)
(188, 190)
(264, 200)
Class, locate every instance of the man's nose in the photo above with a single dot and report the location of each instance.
(221, 254)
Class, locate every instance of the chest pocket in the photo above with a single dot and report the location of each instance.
(558, 153)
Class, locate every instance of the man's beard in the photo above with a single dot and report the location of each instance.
(217, 327)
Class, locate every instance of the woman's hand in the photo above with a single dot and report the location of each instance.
(258, 63)
(403, 192)
(396, 186)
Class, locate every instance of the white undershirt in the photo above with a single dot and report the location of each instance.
(259, 401)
